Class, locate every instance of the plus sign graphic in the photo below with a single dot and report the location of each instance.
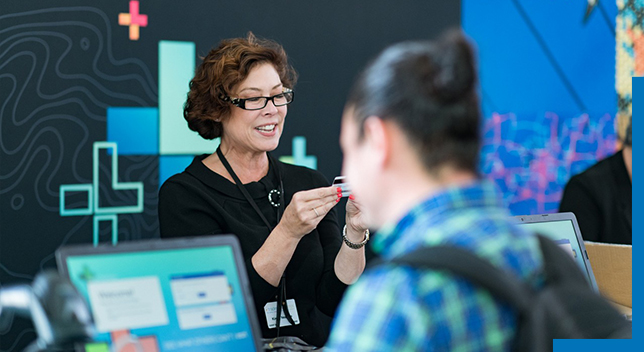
(133, 19)
(154, 131)
(102, 213)
(299, 155)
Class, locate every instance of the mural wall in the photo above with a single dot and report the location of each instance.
(91, 97)
(629, 50)
(548, 88)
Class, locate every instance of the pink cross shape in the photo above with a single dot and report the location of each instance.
(133, 19)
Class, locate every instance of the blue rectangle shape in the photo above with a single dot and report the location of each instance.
(172, 164)
(134, 129)
(638, 208)
(638, 193)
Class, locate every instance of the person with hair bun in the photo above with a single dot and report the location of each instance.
(410, 138)
(283, 214)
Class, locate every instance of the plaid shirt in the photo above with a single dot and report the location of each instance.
(399, 308)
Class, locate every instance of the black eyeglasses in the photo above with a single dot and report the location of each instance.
(257, 103)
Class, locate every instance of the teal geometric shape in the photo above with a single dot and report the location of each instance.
(134, 129)
(176, 69)
(172, 164)
(93, 206)
(299, 155)
(89, 210)
(117, 186)
(107, 217)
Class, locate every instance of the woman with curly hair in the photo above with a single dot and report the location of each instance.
(282, 214)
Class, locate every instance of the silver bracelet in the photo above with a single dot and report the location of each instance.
(354, 245)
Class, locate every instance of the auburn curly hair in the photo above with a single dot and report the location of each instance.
(223, 69)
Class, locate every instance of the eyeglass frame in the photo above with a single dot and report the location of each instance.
(241, 102)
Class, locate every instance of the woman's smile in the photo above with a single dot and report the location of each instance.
(267, 130)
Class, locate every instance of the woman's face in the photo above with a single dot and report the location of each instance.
(256, 130)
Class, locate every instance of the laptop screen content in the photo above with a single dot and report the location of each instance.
(562, 231)
(182, 299)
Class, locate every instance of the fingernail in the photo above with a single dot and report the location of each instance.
(339, 190)
(352, 197)
(337, 200)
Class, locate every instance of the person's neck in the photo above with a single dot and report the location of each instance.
(410, 189)
(248, 166)
(627, 153)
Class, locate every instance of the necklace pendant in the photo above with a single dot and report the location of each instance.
(274, 197)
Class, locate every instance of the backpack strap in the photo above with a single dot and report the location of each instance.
(478, 271)
(559, 265)
(565, 307)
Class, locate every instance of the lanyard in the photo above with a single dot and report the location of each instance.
(280, 210)
(243, 190)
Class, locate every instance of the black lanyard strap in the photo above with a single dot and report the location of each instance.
(282, 285)
(242, 189)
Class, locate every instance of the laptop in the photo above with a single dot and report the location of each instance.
(563, 229)
(183, 295)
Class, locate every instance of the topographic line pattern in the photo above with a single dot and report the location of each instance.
(59, 73)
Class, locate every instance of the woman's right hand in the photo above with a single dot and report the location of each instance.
(307, 209)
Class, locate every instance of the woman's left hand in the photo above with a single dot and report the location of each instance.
(355, 219)
(349, 263)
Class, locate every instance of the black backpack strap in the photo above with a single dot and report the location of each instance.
(558, 265)
(478, 271)
(568, 299)
(564, 308)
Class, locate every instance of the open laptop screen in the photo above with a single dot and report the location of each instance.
(562, 228)
(171, 295)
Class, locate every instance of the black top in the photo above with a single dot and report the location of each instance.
(199, 201)
(601, 198)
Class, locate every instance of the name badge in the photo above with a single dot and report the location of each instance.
(270, 310)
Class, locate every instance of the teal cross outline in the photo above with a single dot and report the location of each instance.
(93, 204)
(299, 155)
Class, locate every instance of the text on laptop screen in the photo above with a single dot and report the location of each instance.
(166, 300)
(563, 233)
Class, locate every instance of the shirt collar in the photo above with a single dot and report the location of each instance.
(257, 190)
(431, 212)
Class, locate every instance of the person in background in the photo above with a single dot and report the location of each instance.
(410, 138)
(602, 196)
(282, 214)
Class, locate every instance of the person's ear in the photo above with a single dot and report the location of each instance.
(377, 139)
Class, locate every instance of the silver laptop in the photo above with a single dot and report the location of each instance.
(183, 295)
(564, 230)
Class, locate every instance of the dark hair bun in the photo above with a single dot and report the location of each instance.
(455, 74)
(428, 89)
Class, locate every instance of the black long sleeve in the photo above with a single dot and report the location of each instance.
(200, 202)
(181, 216)
(601, 199)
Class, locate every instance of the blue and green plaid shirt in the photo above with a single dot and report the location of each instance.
(399, 308)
